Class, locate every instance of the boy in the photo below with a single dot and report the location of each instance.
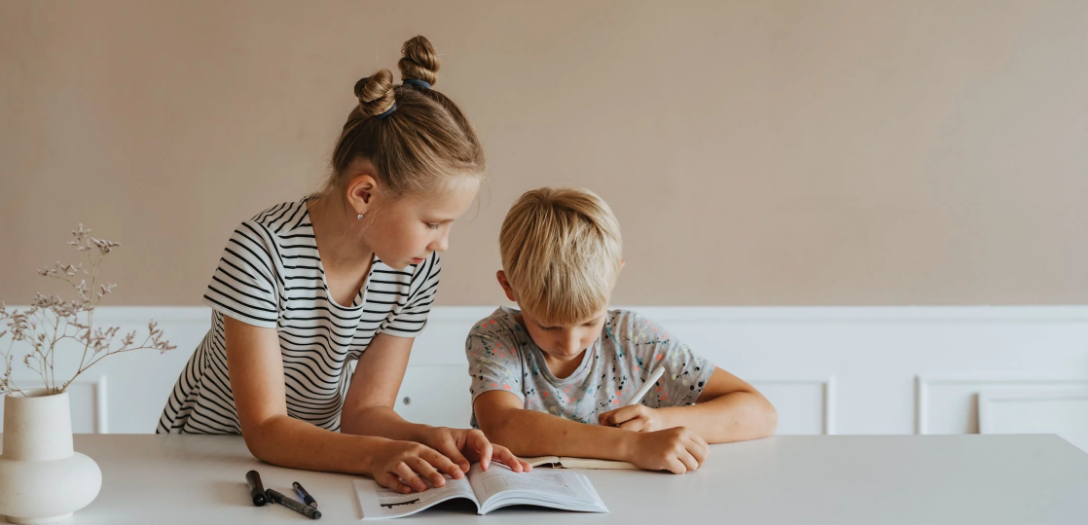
(553, 377)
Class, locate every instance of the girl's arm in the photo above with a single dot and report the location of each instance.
(729, 409)
(531, 433)
(368, 409)
(256, 379)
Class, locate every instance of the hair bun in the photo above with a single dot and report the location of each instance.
(375, 93)
(420, 62)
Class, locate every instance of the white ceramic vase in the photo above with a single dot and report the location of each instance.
(42, 480)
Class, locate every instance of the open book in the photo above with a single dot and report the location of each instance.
(579, 463)
(492, 489)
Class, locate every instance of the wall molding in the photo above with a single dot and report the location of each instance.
(987, 400)
(881, 370)
(827, 387)
(923, 384)
(98, 388)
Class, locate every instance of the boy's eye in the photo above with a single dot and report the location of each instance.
(432, 225)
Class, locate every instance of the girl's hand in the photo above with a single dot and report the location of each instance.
(404, 465)
(677, 450)
(639, 418)
(465, 446)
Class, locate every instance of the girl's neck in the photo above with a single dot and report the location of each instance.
(337, 236)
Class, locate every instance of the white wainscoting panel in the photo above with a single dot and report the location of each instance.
(855, 370)
(88, 402)
(805, 406)
(436, 394)
(1062, 413)
(950, 404)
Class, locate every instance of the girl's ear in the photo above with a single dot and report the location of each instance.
(361, 191)
(501, 276)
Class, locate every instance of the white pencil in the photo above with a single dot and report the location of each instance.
(657, 373)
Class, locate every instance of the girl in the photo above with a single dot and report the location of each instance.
(347, 274)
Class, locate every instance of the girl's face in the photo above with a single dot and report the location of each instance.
(407, 230)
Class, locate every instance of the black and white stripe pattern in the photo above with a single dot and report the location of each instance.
(270, 275)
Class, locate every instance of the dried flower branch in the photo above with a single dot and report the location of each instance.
(50, 319)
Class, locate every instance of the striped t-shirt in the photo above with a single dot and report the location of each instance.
(270, 276)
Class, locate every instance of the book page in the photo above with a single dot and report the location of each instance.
(378, 502)
(579, 463)
(595, 464)
(542, 485)
(542, 460)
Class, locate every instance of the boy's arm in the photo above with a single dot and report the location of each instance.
(728, 409)
(530, 433)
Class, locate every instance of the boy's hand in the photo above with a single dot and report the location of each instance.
(639, 418)
(465, 446)
(677, 450)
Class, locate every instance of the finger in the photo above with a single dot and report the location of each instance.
(389, 481)
(699, 439)
(635, 425)
(702, 447)
(426, 471)
(504, 456)
(688, 460)
(602, 419)
(481, 446)
(620, 415)
(409, 477)
(675, 466)
(443, 463)
(698, 450)
(449, 450)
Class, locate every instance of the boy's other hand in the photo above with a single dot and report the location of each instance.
(639, 418)
(677, 450)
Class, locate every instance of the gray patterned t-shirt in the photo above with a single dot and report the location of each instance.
(502, 356)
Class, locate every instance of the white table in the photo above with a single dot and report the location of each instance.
(165, 480)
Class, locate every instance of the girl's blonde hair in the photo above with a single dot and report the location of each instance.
(417, 139)
(562, 253)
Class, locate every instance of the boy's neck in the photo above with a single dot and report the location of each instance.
(563, 369)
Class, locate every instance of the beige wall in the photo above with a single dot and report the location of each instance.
(756, 152)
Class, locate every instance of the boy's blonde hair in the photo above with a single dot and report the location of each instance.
(562, 252)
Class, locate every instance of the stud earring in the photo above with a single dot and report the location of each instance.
(360, 216)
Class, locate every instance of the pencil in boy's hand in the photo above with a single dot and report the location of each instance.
(650, 382)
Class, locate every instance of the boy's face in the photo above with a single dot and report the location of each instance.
(561, 342)
(565, 342)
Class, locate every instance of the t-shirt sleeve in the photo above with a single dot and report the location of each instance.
(411, 319)
(686, 372)
(493, 361)
(245, 285)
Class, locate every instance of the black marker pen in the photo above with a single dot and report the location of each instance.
(305, 510)
(256, 488)
(303, 495)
